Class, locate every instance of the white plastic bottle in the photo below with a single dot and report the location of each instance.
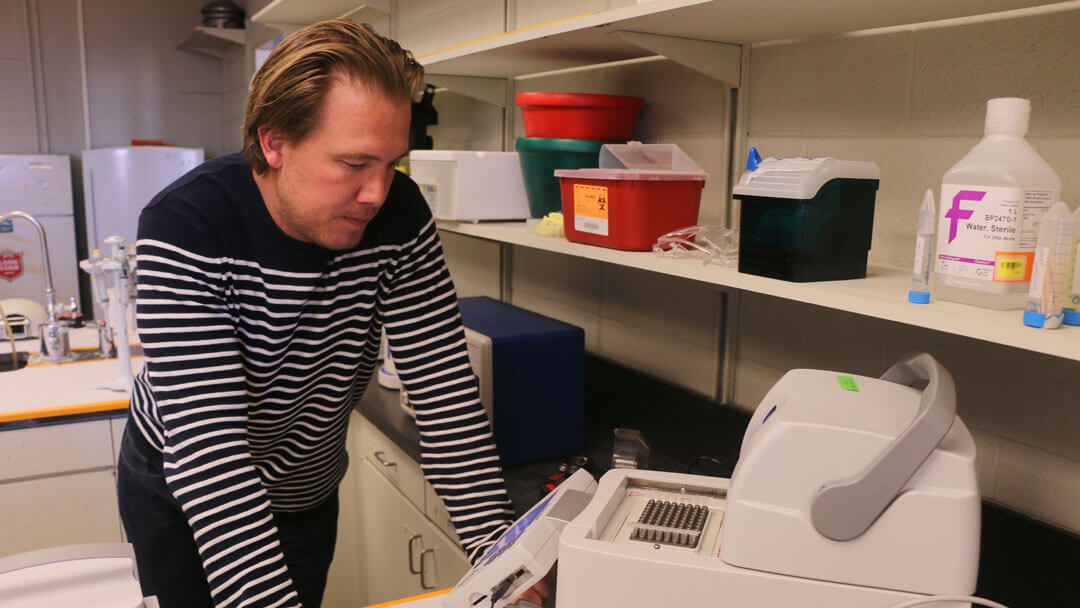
(989, 212)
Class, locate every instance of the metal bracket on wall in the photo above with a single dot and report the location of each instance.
(488, 90)
(717, 60)
(506, 272)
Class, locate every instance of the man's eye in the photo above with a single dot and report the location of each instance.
(354, 165)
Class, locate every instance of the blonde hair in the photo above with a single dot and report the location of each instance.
(287, 91)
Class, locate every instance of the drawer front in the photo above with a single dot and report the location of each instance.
(393, 463)
(55, 449)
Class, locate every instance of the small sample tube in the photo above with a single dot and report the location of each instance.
(924, 247)
(1046, 295)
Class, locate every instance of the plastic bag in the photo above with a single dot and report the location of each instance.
(711, 244)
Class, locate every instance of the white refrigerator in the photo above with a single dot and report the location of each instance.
(119, 182)
(41, 186)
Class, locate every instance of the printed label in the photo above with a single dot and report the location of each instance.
(1010, 266)
(591, 209)
(989, 234)
(921, 257)
(431, 195)
(11, 265)
(1042, 258)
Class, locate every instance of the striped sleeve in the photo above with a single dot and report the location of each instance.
(427, 341)
(196, 375)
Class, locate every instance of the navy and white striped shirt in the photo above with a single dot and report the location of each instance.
(257, 348)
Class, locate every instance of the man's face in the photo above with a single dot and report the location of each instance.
(325, 188)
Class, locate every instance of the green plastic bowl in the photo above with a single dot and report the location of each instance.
(541, 156)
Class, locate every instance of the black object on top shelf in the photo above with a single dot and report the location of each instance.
(423, 115)
(222, 13)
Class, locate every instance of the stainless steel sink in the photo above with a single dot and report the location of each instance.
(7, 365)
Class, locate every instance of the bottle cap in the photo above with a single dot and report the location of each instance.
(1038, 319)
(918, 297)
(1034, 319)
(1072, 317)
(1007, 115)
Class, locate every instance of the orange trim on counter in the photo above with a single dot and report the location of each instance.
(493, 37)
(414, 598)
(64, 410)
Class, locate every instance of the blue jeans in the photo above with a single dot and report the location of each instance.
(165, 551)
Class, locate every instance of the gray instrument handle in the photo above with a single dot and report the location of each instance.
(843, 510)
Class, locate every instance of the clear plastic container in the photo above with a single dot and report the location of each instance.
(1072, 298)
(1049, 279)
(639, 193)
(989, 211)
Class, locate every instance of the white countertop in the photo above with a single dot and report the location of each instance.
(48, 390)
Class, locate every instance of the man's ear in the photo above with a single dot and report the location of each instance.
(271, 143)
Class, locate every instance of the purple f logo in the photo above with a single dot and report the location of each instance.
(956, 213)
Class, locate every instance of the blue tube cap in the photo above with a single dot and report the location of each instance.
(1034, 319)
(1072, 317)
(753, 159)
(918, 297)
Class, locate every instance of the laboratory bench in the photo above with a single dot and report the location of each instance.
(58, 438)
(1023, 563)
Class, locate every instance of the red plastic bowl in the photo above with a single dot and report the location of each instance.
(580, 115)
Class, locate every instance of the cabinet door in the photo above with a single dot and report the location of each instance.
(345, 581)
(405, 553)
(61, 510)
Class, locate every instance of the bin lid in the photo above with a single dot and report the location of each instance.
(558, 144)
(800, 178)
(635, 160)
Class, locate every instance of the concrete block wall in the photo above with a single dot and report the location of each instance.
(912, 100)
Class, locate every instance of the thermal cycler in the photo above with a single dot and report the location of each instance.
(849, 492)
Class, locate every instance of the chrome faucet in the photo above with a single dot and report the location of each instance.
(55, 345)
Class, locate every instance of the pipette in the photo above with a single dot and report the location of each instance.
(924, 245)
(1047, 291)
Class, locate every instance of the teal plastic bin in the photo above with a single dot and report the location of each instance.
(541, 156)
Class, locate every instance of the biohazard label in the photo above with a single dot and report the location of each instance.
(989, 234)
(11, 265)
(591, 209)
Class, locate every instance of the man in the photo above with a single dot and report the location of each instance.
(265, 282)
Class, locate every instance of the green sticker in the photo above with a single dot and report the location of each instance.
(848, 383)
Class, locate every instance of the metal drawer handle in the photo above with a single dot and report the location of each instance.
(423, 569)
(411, 568)
(380, 456)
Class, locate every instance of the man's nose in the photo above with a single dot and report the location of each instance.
(374, 189)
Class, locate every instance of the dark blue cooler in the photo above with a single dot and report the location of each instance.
(531, 370)
(806, 219)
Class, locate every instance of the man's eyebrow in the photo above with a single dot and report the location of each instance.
(359, 156)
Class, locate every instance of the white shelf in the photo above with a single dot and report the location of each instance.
(597, 38)
(883, 294)
(304, 12)
(212, 41)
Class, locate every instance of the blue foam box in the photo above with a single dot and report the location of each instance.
(531, 370)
